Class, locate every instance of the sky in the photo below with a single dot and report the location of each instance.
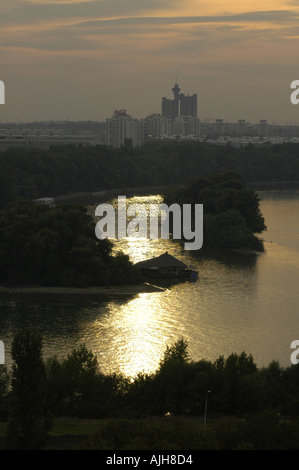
(82, 59)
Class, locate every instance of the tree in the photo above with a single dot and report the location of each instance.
(29, 418)
(4, 390)
(80, 376)
(232, 370)
(177, 352)
(7, 189)
(231, 213)
(169, 381)
(51, 247)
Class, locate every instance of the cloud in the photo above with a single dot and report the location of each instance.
(131, 44)
(28, 12)
(129, 12)
(76, 25)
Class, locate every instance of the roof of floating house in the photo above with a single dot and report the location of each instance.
(163, 261)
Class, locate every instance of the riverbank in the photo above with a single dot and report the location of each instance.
(88, 198)
(127, 289)
(95, 198)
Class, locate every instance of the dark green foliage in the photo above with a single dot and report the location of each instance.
(145, 435)
(57, 247)
(232, 372)
(4, 389)
(78, 388)
(29, 417)
(169, 380)
(65, 169)
(122, 270)
(179, 386)
(231, 212)
(260, 405)
(262, 431)
(7, 189)
(176, 353)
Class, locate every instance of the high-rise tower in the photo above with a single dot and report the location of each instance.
(181, 105)
(176, 104)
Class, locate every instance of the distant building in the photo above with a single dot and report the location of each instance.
(154, 126)
(165, 266)
(263, 127)
(218, 127)
(49, 201)
(186, 126)
(241, 127)
(43, 138)
(168, 109)
(122, 128)
(188, 105)
(180, 105)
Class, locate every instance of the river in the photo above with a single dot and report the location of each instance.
(241, 302)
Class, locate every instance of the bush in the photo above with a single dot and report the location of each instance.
(145, 435)
(30, 419)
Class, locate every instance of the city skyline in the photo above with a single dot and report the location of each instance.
(80, 60)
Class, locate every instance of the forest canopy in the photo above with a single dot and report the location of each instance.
(231, 213)
(38, 245)
(249, 408)
(65, 169)
(57, 247)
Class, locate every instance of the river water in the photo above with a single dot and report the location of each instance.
(241, 302)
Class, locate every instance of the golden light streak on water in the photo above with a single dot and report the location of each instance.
(142, 334)
(133, 335)
(241, 302)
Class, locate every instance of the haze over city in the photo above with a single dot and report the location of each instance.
(81, 60)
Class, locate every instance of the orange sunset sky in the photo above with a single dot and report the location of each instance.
(81, 60)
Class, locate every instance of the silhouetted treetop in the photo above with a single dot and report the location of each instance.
(65, 169)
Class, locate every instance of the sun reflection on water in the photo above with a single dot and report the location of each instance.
(241, 302)
(133, 335)
(137, 333)
(224, 312)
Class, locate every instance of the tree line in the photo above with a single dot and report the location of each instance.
(65, 169)
(231, 213)
(57, 246)
(37, 390)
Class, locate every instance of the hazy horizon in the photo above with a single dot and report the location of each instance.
(81, 60)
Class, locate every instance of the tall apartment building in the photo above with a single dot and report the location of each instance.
(155, 125)
(180, 105)
(186, 126)
(263, 127)
(218, 127)
(120, 127)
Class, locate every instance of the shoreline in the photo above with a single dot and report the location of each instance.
(97, 197)
(127, 289)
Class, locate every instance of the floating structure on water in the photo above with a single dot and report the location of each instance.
(166, 266)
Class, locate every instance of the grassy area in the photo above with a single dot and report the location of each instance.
(68, 433)
(3, 427)
(265, 431)
(67, 425)
(87, 427)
